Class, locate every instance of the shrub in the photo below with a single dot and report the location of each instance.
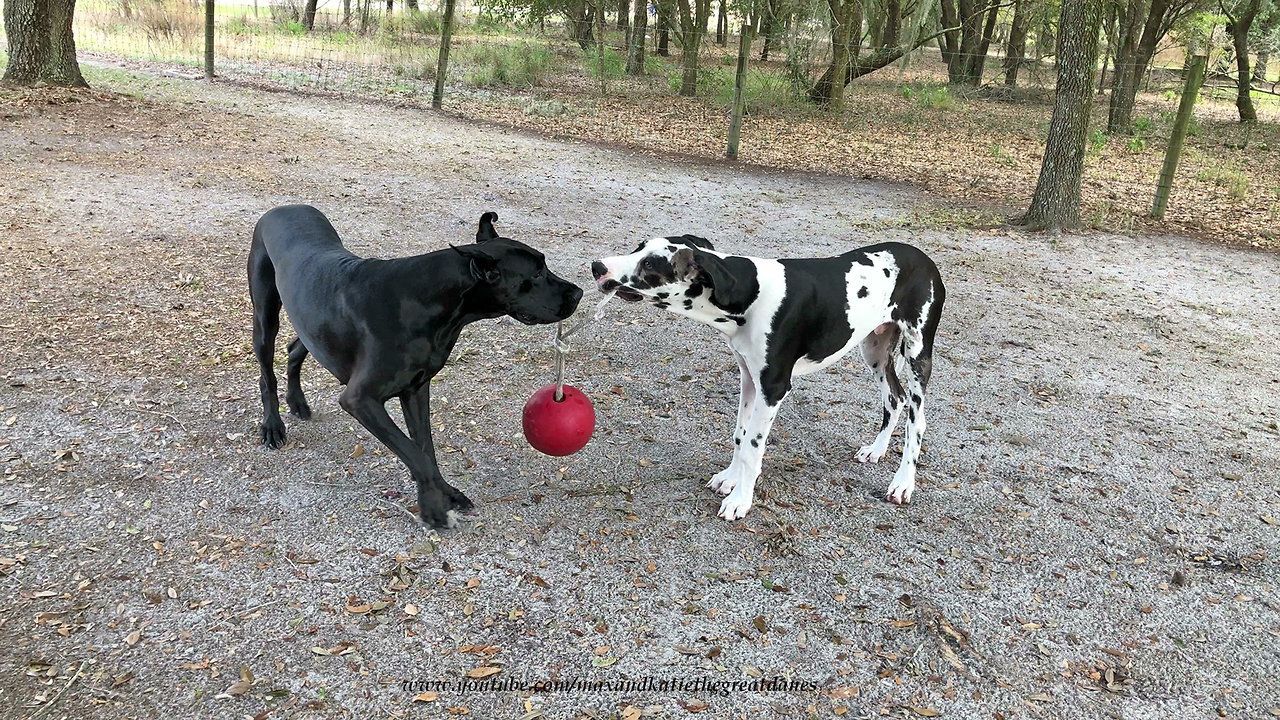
(1236, 182)
(521, 65)
(614, 64)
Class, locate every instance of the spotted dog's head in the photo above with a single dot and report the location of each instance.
(656, 270)
(683, 274)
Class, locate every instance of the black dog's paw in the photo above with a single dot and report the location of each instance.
(458, 501)
(434, 509)
(299, 408)
(272, 432)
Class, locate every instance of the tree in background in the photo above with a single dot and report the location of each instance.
(1015, 49)
(972, 26)
(693, 21)
(1240, 17)
(635, 53)
(1056, 202)
(42, 47)
(1140, 26)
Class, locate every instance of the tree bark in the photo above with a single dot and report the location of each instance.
(1056, 202)
(1135, 54)
(892, 24)
(692, 21)
(1239, 29)
(42, 46)
(1260, 66)
(309, 14)
(766, 28)
(1016, 49)
(722, 25)
(624, 13)
(949, 41)
(664, 28)
(979, 61)
(635, 53)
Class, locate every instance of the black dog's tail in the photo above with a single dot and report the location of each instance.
(486, 231)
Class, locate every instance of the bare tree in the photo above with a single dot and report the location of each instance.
(42, 47)
(1056, 202)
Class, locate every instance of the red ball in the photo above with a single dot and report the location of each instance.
(558, 428)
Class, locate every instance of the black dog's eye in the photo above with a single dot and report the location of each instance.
(542, 272)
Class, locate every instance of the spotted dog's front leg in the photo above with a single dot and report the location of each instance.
(724, 481)
(749, 458)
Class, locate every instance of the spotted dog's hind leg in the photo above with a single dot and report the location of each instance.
(724, 481)
(877, 350)
(916, 365)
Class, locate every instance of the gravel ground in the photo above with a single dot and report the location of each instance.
(1094, 535)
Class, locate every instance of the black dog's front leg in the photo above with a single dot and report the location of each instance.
(372, 413)
(416, 405)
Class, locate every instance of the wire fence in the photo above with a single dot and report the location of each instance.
(388, 52)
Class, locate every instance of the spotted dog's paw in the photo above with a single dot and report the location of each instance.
(724, 481)
(736, 506)
(871, 453)
(900, 490)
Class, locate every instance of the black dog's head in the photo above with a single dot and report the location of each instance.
(517, 277)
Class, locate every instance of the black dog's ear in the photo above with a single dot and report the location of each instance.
(730, 289)
(486, 231)
(483, 265)
(696, 242)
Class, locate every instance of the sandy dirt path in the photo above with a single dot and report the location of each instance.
(1095, 534)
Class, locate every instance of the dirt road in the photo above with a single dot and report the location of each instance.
(1095, 534)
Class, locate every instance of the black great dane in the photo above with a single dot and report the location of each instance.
(384, 328)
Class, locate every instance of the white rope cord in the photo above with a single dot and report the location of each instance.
(561, 346)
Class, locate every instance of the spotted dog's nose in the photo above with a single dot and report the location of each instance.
(598, 270)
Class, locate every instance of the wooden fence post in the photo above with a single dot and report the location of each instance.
(442, 68)
(1195, 73)
(208, 39)
(739, 91)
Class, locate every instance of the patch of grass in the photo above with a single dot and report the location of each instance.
(1236, 182)
(764, 91)
(615, 65)
(1143, 125)
(1002, 156)
(1097, 141)
(518, 65)
(489, 24)
(1136, 144)
(933, 97)
(414, 22)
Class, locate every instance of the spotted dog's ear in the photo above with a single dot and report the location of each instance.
(727, 292)
(486, 231)
(694, 241)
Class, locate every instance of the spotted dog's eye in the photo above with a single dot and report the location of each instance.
(646, 263)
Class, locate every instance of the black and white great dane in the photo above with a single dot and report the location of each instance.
(786, 318)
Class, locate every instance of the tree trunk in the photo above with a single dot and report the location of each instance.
(963, 64)
(1135, 53)
(1260, 66)
(309, 14)
(624, 13)
(722, 25)
(766, 27)
(1056, 202)
(580, 16)
(692, 21)
(1106, 54)
(949, 42)
(411, 4)
(635, 53)
(664, 27)
(26, 23)
(346, 13)
(892, 24)
(390, 7)
(1239, 29)
(1016, 49)
(979, 60)
(42, 46)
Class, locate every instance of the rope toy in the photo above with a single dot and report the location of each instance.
(559, 419)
